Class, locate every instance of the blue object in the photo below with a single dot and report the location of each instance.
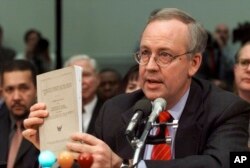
(46, 159)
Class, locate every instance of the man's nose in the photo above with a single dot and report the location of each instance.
(248, 67)
(84, 81)
(107, 86)
(152, 65)
(16, 95)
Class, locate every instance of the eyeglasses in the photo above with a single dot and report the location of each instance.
(162, 59)
(244, 63)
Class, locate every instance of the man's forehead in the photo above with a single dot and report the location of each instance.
(245, 51)
(84, 63)
(18, 73)
(17, 76)
(166, 32)
(222, 27)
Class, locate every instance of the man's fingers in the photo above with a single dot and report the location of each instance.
(86, 138)
(33, 122)
(39, 113)
(38, 106)
(79, 147)
(31, 135)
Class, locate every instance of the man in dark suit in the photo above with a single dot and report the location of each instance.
(90, 82)
(211, 122)
(19, 92)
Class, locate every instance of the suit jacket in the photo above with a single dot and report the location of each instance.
(27, 156)
(91, 126)
(213, 123)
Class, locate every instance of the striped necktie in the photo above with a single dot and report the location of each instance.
(162, 151)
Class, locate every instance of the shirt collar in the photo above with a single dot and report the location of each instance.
(91, 105)
(13, 122)
(177, 109)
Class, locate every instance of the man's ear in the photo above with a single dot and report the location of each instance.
(195, 63)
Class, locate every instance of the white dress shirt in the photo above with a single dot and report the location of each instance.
(87, 115)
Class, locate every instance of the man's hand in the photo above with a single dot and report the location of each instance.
(103, 156)
(36, 118)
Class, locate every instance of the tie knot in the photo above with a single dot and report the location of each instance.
(164, 116)
(18, 125)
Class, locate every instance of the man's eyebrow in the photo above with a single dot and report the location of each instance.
(144, 47)
(244, 58)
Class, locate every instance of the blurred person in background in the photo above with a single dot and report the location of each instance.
(6, 53)
(90, 82)
(216, 63)
(110, 83)
(37, 50)
(41, 57)
(31, 37)
(131, 80)
(242, 74)
(222, 36)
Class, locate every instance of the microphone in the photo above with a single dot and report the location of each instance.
(142, 109)
(159, 105)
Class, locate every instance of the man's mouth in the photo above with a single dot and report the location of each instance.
(152, 83)
(17, 106)
(246, 80)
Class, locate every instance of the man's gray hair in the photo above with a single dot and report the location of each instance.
(80, 57)
(198, 35)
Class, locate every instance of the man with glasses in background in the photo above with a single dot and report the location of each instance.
(211, 122)
(242, 74)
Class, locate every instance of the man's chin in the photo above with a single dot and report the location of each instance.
(20, 113)
(151, 95)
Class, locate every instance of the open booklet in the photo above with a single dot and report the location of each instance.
(61, 91)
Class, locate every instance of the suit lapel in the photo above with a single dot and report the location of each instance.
(127, 151)
(127, 115)
(5, 132)
(188, 135)
(97, 108)
(24, 148)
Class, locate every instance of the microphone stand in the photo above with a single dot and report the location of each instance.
(139, 143)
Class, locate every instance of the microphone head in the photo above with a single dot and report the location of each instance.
(143, 105)
(160, 103)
